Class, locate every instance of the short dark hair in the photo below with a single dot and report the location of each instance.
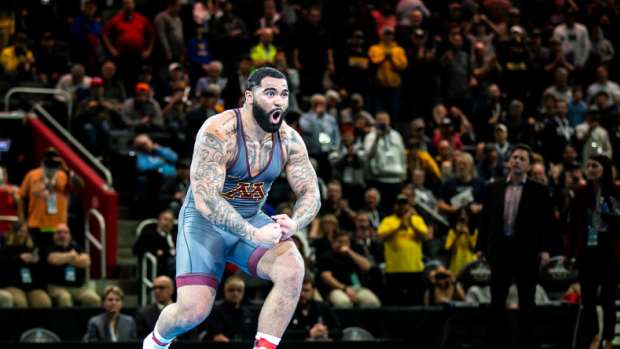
(259, 74)
(308, 279)
(525, 148)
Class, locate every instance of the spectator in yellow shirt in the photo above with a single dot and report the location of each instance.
(17, 59)
(389, 60)
(403, 233)
(264, 53)
(461, 244)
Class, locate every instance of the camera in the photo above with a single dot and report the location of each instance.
(51, 163)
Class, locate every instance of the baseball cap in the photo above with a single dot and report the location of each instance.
(517, 29)
(402, 199)
(96, 81)
(143, 87)
(174, 66)
(501, 127)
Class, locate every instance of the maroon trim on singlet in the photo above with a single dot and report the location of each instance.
(282, 152)
(254, 259)
(197, 279)
(239, 139)
(256, 256)
(247, 159)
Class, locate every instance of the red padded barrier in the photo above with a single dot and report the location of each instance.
(98, 195)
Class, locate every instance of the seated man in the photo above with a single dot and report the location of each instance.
(66, 271)
(111, 326)
(231, 320)
(146, 317)
(339, 270)
(313, 320)
(160, 241)
(156, 167)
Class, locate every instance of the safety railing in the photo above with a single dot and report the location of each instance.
(99, 244)
(11, 219)
(148, 265)
(147, 277)
(75, 143)
(66, 96)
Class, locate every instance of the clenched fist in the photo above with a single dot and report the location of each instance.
(268, 235)
(288, 225)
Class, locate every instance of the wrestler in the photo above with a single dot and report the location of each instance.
(237, 156)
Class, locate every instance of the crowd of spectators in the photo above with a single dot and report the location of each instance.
(409, 109)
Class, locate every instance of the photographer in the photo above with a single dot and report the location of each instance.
(443, 289)
(385, 151)
(45, 191)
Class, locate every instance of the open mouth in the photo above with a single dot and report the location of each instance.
(275, 116)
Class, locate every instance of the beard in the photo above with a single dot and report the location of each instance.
(263, 118)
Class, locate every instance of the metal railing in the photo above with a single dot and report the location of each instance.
(13, 115)
(147, 280)
(75, 143)
(99, 244)
(11, 219)
(148, 265)
(40, 91)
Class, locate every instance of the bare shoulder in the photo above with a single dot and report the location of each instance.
(219, 132)
(222, 125)
(291, 139)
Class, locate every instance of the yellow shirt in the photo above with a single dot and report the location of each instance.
(263, 54)
(34, 190)
(426, 161)
(403, 252)
(388, 71)
(462, 250)
(10, 61)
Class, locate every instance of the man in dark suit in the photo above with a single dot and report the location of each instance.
(146, 317)
(111, 326)
(516, 216)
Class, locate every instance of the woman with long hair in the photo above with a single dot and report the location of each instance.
(19, 264)
(594, 224)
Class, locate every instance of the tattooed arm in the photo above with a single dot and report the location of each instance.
(207, 174)
(302, 179)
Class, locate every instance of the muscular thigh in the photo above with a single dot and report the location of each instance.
(201, 245)
(246, 254)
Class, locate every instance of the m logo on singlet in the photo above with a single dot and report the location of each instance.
(246, 191)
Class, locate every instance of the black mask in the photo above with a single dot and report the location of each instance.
(264, 119)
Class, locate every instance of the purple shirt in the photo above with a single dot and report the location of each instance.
(512, 198)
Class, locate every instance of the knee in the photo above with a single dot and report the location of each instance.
(90, 299)
(368, 299)
(6, 299)
(339, 299)
(39, 299)
(63, 299)
(290, 272)
(19, 297)
(194, 313)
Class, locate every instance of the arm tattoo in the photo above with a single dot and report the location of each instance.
(303, 181)
(208, 171)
